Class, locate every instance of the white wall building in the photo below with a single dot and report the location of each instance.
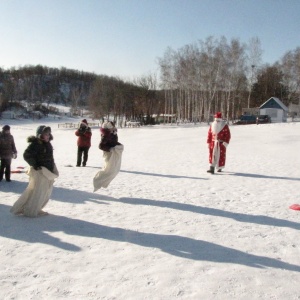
(275, 109)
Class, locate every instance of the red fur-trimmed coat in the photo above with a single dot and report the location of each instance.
(218, 139)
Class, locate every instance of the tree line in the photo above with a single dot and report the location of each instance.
(103, 95)
(195, 81)
(219, 75)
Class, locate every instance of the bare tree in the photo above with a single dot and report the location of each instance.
(254, 63)
(290, 67)
(168, 82)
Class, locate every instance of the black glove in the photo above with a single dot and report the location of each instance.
(82, 131)
(37, 168)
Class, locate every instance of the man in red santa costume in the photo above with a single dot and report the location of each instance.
(218, 139)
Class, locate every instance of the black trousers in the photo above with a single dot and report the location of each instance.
(5, 168)
(82, 151)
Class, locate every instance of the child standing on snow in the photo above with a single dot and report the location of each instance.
(42, 172)
(112, 154)
(84, 134)
(7, 152)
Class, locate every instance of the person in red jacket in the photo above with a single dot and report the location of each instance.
(218, 139)
(84, 134)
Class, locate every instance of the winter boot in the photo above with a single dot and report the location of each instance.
(7, 173)
(211, 170)
(1, 172)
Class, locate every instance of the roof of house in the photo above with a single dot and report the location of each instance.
(274, 102)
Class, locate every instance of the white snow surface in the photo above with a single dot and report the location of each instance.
(164, 228)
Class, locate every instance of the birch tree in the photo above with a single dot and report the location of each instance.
(290, 67)
(253, 63)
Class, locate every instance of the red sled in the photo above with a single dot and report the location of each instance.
(295, 206)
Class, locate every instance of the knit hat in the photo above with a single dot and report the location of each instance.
(6, 127)
(42, 129)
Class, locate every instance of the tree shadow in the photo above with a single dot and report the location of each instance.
(240, 217)
(58, 193)
(162, 175)
(37, 231)
(77, 196)
(262, 176)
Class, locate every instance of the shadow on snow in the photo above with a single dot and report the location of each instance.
(262, 176)
(38, 230)
(162, 175)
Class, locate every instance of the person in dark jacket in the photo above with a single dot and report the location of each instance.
(112, 155)
(42, 173)
(39, 153)
(84, 134)
(7, 152)
(109, 136)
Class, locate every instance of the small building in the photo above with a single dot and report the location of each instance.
(275, 109)
(7, 115)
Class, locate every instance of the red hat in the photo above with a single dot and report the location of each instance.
(218, 115)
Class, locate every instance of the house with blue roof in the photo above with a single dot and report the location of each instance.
(275, 109)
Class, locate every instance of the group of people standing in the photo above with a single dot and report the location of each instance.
(43, 171)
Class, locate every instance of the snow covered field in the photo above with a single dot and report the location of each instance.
(164, 228)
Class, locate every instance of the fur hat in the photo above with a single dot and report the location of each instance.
(42, 129)
(6, 127)
(218, 116)
(84, 123)
(108, 125)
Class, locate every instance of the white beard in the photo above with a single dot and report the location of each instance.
(217, 126)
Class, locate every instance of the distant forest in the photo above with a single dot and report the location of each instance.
(37, 87)
(195, 81)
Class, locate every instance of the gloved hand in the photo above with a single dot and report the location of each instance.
(82, 131)
(37, 168)
(15, 155)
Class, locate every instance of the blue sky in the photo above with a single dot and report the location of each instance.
(126, 37)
